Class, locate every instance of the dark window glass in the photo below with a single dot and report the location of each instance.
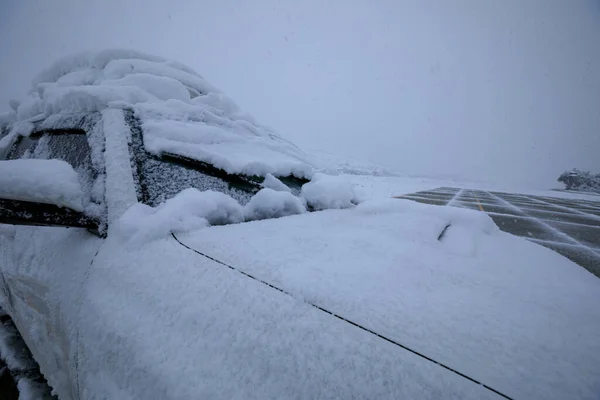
(68, 145)
(72, 148)
(163, 179)
(3, 132)
(23, 147)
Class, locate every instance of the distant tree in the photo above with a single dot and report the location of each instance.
(580, 180)
(571, 179)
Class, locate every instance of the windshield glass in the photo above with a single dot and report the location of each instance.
(160, 178)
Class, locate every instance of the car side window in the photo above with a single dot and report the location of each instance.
(3, 132)
(21, 147)
(70, 145)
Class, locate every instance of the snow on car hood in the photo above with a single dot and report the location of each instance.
(512, 315)
(179, 110)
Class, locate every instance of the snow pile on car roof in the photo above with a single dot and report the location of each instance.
(179, 110)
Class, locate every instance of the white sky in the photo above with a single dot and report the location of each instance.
(504, 91)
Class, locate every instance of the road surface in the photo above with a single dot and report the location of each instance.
(569, 227)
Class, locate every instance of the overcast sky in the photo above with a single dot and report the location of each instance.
(504, 91)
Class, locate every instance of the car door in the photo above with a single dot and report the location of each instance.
(44, 268)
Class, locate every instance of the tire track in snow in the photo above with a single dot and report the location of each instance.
(572, 210)
(455, 198)
(537, 220)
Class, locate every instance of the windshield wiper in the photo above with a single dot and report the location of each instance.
(241, 182)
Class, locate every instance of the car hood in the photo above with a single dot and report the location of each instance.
(159, 320)
(505, 312)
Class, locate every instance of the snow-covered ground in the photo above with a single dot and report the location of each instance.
(387, 186)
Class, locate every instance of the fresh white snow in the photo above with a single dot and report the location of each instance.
(192, 209)
(179, 325)
(516, 316)
(188, 210)
(31, 390)
(14, 353)
(119, 187)
(269, 203)
(180, 112)
(42, 181)
(11, 349)
(370, 186)
(272, 182)
(326, 191)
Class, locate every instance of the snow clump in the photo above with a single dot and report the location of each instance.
(272, 182)
(326, 191)
(41, 181)
(269, 203)
(188, 210)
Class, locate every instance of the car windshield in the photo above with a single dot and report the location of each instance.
(158, 179)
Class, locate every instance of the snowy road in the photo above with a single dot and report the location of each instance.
(569, 227)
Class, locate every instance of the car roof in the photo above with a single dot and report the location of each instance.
(180, 112)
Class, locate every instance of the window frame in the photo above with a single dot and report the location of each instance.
(68, 217)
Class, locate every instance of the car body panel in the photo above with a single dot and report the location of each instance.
(155, 312)
(46, 293)
(455, 300)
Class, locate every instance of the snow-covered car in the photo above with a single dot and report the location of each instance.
(158, 244)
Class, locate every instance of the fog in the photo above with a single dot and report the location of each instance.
(496, 91)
